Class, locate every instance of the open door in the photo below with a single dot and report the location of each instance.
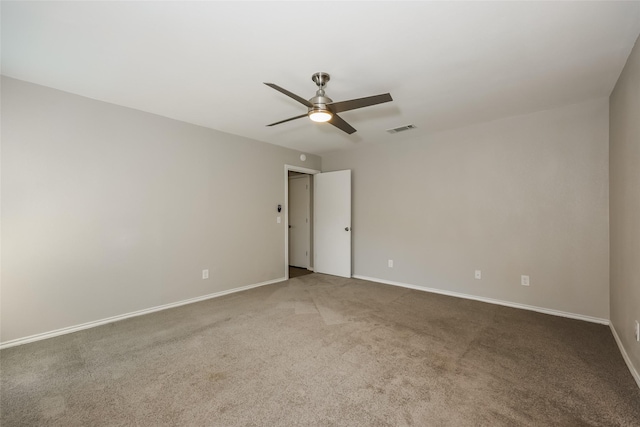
(332, 223)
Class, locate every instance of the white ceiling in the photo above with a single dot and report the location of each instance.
(446, 64)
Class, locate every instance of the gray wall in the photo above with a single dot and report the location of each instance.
(522, 195)
(624, 177)
(108, 210)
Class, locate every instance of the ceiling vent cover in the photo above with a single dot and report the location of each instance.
(401, 128)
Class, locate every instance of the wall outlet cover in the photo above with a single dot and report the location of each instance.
(524, 280)
(478, 274)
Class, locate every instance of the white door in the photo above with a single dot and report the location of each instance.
(299, 235)
(332, 223)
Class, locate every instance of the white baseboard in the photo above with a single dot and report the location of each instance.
(489, 300)
(625, 356)
(70, 329)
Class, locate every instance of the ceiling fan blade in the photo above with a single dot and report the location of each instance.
(339, 122)
(352, 104)
(286, 120)
(290, 95)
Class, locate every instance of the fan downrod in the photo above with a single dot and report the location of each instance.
(320, 101)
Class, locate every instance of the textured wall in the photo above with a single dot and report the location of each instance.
(522, 195)
(108, 210)
(624, 163)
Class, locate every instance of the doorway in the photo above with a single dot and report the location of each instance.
(299, 206)
(298, 221)
(329, 219)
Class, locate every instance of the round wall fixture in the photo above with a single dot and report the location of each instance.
(303, 157)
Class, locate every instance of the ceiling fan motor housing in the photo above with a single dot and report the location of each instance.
(320, 101)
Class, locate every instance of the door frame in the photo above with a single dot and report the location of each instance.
(292, 168)
(303, 228)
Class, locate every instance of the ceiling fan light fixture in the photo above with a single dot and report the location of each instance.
(320, 115)
(321, 108)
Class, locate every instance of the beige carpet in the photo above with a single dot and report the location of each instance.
(324, 351)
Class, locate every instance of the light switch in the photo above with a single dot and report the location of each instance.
(279, 220)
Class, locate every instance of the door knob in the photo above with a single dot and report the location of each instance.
(346, 229)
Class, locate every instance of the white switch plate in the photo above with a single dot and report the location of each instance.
(390, 263)
(205, 274)
(524, 280)
(478, 274)
(637, 331)
(279, 219)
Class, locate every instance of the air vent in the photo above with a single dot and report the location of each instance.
(401, 129)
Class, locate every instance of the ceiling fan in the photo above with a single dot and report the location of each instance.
(321, 108)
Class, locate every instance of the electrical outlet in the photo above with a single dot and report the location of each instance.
(205, 274)
(637, 331)
(390, 263)
(478, 274)
(524, 280)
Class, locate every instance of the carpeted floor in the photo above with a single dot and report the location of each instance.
(324, 351)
